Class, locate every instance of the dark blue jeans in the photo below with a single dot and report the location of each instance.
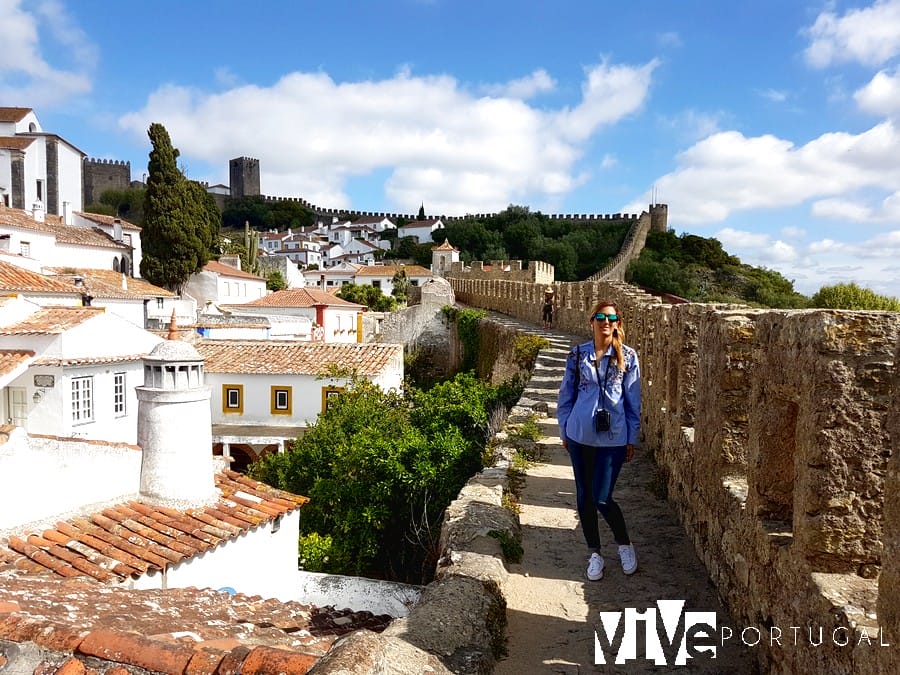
(596, 471)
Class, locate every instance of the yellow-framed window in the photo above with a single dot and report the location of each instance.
(281, 400)
(233, 399)
(329, 395)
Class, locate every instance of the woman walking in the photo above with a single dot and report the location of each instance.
(599, 413)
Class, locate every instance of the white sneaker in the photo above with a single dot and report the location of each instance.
(628, 558)
(595, 567)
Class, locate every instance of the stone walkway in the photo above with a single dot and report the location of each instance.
(552, 610)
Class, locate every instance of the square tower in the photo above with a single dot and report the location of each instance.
(244, 177)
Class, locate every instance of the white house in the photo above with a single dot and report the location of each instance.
(172, 517)
(420, 230)
(121, 231)
(37, 167)
(81, 376)
(266, 392)
(381, 276)
(135, 300)
(221, 283)
(442, 258)
(55, 244)
(336, 319)
(38, 288)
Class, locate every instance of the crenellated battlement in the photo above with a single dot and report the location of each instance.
(777, 435)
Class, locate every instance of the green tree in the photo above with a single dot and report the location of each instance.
(176, 237)
(275, 281)
(379, 469)
(400, 284)
(421, 215)
(127, 204)
(852, 296)
(371, 297)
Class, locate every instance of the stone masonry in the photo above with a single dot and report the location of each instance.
(775, 431)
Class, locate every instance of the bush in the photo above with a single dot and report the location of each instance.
(851, 296)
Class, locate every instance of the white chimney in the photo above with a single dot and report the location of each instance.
(174, 425)
(117, 229)
(124, 282)
(37, 211)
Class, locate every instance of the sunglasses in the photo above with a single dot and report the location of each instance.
(600, 316)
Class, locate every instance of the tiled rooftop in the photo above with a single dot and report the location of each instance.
(10, 359)
(293, 357)
(300, 297)
(88, 360)
(65, 234)
(79, 625)
(133, 538)
(108, 284)
(391, 270)
(102, 219)
(9, 114)
(49, 320)
(229, 271)
(15, 142)
(15, 278)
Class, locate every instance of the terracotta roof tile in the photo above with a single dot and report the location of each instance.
(229, 271)
(301, 297)
(15, 278)
(130, 539)
(15, 142)
(446, 246)
(293, 357)
(186, 630)
(102, 219)
(10, 114)
(50, 320)
(86, 360)
(10, 359)
(108, 284)
(65, 234)
(391, 270)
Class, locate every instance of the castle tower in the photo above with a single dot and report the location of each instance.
(659, 218)
(174, 426)
(244, 177)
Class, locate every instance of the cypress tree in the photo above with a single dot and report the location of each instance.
(179, 230)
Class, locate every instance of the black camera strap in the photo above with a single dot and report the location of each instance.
(602, 391)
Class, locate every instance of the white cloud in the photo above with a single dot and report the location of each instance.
(525, 87)
(26, 77)
(774, 95)
(792, 232)
(729, 172)
(436, 140)
(669, 39)
(732, 238)
(881, 96)
(869, 35)
(609, 161)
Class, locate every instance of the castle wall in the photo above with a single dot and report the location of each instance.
(774, 432)
(100, 175)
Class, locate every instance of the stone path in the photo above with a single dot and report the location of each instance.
(552, 610)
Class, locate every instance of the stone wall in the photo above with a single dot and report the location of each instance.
(774, 431)
(100, 175)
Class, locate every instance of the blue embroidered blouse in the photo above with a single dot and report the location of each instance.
(578, 397)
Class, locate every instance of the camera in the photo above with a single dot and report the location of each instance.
(601, 420)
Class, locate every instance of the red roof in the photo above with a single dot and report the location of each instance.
(13, 114)
(229, 271)
(300, 297)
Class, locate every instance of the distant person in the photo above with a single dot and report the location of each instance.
(547, 308)
(599, 413)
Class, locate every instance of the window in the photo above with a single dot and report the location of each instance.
(233, 398)
(376, 283)
(25, 248)
(119, 394)
(40, 190)
(83, 399)
(160, 303)
(329, 396)
(281, 401)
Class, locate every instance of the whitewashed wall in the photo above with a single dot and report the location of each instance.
(70, 167)
(259, 562)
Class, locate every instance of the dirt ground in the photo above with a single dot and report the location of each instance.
(553, 611)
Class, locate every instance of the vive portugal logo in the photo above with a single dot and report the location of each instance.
(671, 635)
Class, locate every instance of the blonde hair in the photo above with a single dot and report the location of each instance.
(618, 334)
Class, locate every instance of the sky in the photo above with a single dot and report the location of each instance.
(772, 125)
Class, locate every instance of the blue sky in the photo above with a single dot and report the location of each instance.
(769, 124)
